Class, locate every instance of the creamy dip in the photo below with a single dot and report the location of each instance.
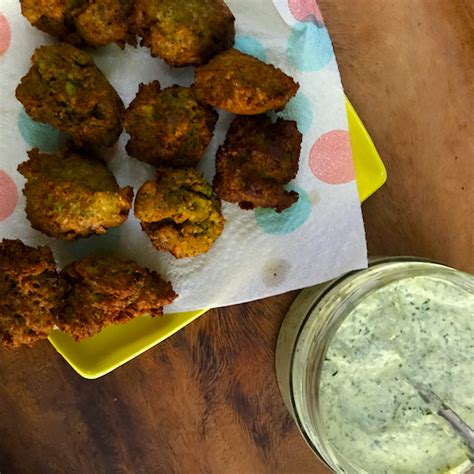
(419, 328)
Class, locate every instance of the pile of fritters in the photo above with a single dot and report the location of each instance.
(81, 22)
(258, 157)
(84, 298)
(184, 33)
(105, 290)
(72, 194)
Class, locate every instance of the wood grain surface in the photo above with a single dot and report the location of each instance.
(206, 400)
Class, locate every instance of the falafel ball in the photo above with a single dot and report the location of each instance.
(70, 196)
(179, 212)
(66, 89)
(257, 159)
(106, 290)
(168, 127)
(92, 23)
(30, 292)
(184, 33)
(243, 85)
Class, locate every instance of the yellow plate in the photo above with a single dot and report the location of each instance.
(116, 345)
(369, 168)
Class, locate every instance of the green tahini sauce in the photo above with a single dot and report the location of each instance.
(419, 328)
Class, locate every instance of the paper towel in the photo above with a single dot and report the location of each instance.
(260, 253)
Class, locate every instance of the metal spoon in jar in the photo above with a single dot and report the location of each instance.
(438, 407)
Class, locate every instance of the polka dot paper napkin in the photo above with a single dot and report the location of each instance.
(261, 253)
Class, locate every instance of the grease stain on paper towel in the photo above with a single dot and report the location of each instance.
(274, 272)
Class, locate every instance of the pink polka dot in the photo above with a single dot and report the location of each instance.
(306, 10)
(8, 196)
(330, 158)
(5, 34)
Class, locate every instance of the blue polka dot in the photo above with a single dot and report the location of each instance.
(299, 109)
(287, 221)
(95, 245)
(37, 134)
(249, 45)
(309, 47)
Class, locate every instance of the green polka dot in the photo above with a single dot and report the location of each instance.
(309, 47)
(300, 110)
(249, 45)
(96, 245)
(37, 134)
(287, 221)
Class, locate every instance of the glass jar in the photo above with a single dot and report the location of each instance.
(312, 324)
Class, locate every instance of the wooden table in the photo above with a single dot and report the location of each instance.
(206, 401)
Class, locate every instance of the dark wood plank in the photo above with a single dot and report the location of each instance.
(206, 400)
(407, 67)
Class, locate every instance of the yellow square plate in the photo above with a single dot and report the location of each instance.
(116, 345)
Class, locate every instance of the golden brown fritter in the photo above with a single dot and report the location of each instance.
(70, 196)
(257, 159)
(243, 85)
(66, 89)
(179, 212)
(30, 293)
(107, 290)
(184, 33)
(168, 127)
(81, 22)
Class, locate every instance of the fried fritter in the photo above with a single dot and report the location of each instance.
(243, 85)
(81, 22)
(107, 290)
(184, 33)
(70, 196)
(168, 127)
(66, 89)
(257, 159)
(179, 212)
(30, 293)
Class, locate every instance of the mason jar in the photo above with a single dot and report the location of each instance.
(350, 351)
